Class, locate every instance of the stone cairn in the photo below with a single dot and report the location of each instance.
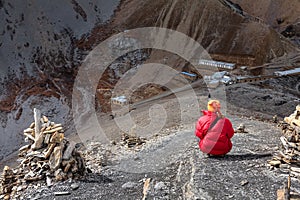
(287, 158)
(48, 156)
(131, 141)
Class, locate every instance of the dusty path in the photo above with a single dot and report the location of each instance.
(178, 170)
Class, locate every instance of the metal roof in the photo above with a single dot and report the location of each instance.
(188, 74)
(287, 72)
(217, 64)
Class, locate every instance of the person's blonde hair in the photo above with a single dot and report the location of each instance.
(210, 105)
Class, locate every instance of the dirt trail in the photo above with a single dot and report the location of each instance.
(200, 177)
(175, 163)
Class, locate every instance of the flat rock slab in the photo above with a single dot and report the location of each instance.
(62, 193)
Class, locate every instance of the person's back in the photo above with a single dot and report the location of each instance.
(214, 131)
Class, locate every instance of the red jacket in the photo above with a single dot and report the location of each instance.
(216, 141)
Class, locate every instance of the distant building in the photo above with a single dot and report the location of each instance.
(217, 78)
(189, 76)
(217, 64)
(287, 72)
(120, 100)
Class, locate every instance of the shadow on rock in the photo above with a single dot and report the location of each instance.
(96, 178)
(244, 156)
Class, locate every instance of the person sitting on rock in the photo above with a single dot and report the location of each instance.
(214, 130)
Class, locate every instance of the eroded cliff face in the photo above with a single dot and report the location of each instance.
(276, 13)
(281, 15)
(221, 30)
(38, 58)
(37, 38)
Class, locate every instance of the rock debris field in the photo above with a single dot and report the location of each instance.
(170, 166)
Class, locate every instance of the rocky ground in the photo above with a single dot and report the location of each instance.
(171, 160)
(180, 171)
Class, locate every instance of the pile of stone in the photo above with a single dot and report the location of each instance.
(241, 129)
(131, 141)
(48, 156)
(288, 156)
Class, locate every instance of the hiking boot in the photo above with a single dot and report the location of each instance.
(215, 156)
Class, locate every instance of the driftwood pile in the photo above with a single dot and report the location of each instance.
(48, 156)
